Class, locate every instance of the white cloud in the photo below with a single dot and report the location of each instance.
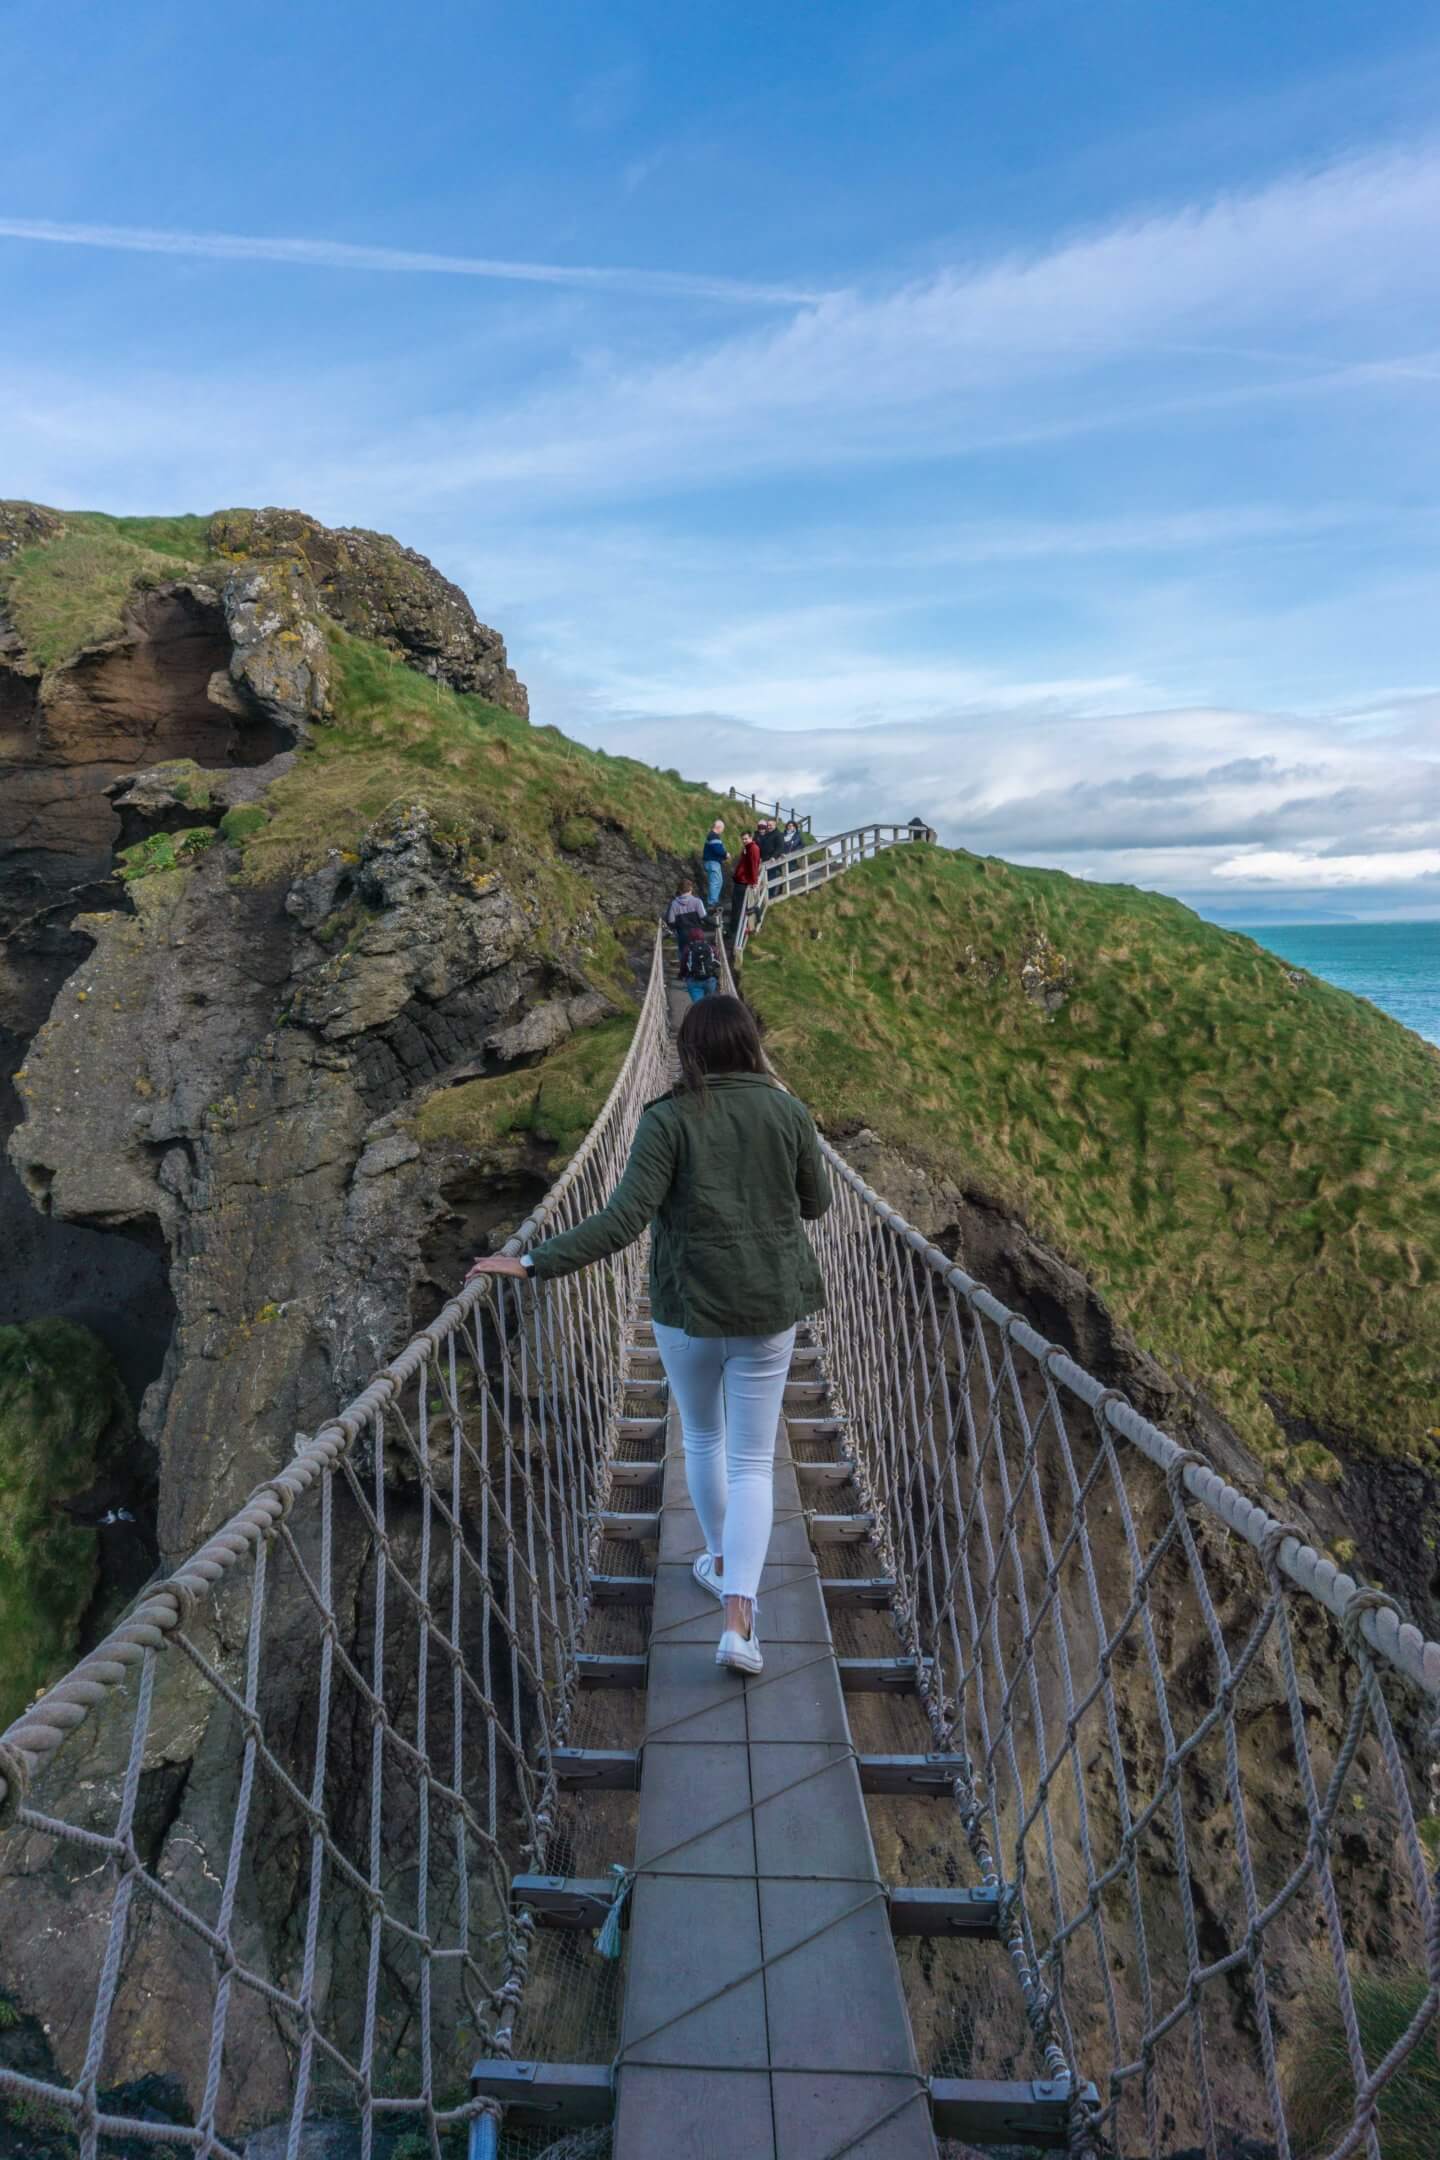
(1307, 871)
(964, 359)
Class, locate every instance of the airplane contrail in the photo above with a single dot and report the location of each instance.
(345, 255)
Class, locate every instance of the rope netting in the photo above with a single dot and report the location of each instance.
(378, 1653)
(1187, 1740)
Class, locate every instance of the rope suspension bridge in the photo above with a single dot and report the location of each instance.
(1138, 1761)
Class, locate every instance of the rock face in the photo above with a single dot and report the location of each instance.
(214, 1148)
(68, 739)
(384, 592)
(224, 674)
(231, 1071)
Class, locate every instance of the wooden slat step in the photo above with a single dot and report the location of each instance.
(879, 1675)
(599, 1668)
(873, 1592)
(812, 1428)
(840, 1529)
(614, 1523)
(805, 1391)
(944, 1912)
(542, 2096)
(978, 2112)
(636, 1473)
(565, 1901)
(826, 1475)
(640, 1428)
(622, 1589)
(596, 1769)
(640, 1385)
(910, 1776)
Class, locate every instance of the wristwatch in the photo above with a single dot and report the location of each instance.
(527, 1263)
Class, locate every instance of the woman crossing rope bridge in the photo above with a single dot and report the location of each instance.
(1178, 1750)
(724, 1171)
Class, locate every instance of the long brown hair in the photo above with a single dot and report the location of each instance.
(717, 1035)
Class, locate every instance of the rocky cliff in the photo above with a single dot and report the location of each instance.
(286, 866)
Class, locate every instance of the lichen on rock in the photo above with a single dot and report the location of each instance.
(383, 592)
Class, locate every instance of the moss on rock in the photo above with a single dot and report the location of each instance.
(553, 1103)
(63, 1409)
(166, 851)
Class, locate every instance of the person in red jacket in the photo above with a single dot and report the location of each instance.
(747, 876)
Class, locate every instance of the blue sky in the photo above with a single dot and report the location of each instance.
(1022, 413)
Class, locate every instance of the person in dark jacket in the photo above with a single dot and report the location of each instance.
(770, 845)
(713, 858)
(725, 1171)
(699, 964)
(747, 877)
(790, 839)
(686, 903)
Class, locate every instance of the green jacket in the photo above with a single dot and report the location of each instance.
(726, 1183)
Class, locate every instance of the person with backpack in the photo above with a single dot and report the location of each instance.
(713, 859)
(748, 871)
(724, 1171)
(685, 906)
(699, 962)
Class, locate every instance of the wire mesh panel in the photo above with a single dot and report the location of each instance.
(1188, 1742)
(376, 1658)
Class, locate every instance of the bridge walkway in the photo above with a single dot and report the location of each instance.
(763, 1997)
(763, 2008)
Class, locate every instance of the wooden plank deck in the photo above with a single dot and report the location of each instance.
(764, 2013)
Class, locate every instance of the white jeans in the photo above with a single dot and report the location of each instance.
(728, 1390)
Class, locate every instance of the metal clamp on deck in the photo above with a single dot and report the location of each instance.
(535, 2095)
(981, 2112)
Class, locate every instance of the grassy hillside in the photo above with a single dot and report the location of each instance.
(69, 592)
(523, 802)
(1244, 1160)
(398, 734)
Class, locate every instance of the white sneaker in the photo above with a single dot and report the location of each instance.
(741, 1652)
(704, 1573)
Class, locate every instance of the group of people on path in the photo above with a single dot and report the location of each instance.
(695, 920)
(758, 849)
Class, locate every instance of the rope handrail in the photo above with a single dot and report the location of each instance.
(381, 1645)
(1183, 1739)
(1105, 1624)
(803, 870)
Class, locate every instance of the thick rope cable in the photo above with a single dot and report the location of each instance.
(385, 1639)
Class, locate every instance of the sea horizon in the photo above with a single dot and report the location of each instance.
(1394, 963)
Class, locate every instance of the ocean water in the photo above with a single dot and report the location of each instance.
(1394, 964)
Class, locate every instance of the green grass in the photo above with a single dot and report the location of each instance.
(167, 851)
(398, 736)
(70, 592)
(186, 538)
(67, 593)
(554, 1102)
(60, 1397)
(1248, 1171)
(517, 802)
(1322, 2091)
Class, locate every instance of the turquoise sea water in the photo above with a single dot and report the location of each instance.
(1394, 964)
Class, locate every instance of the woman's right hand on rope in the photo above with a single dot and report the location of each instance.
(497, 1264)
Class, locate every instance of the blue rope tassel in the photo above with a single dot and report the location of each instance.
(607, 1940)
